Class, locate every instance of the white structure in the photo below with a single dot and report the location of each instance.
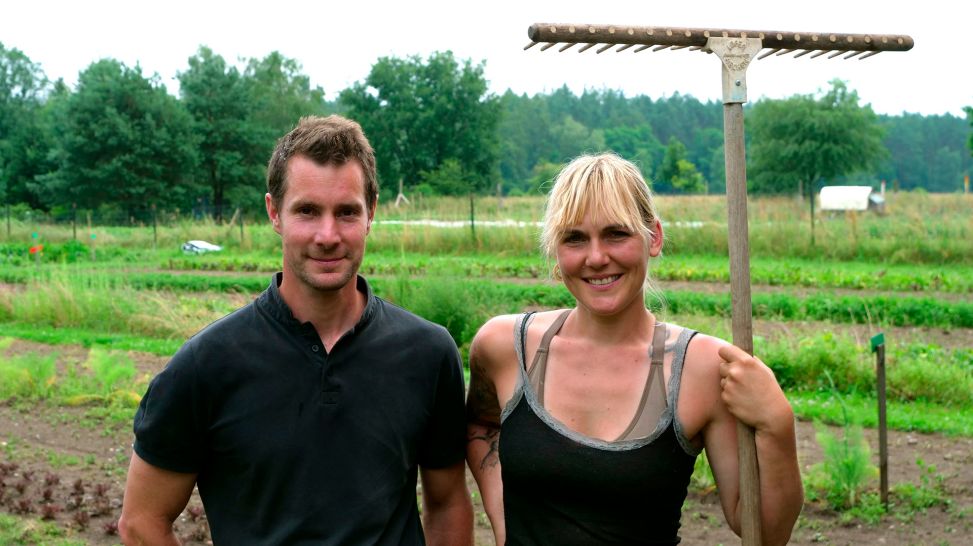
(200, 247)
(851, 198)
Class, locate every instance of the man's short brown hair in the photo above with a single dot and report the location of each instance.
(325, 140)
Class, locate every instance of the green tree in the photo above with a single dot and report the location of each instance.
(23, 148)
(687, 179)
(701, 153)
(449, 179)
(928, 152)
(637, 144)
(419, 114)
(677, 173)
(524, 131)
(125, 142)
(281, 94)
(542, 177)
(801, 140)
(232, 147)
(570, 138)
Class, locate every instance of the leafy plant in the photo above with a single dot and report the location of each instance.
(847, 464)
(930, 492)
(16, 531)
(28, 376)
(702, 478)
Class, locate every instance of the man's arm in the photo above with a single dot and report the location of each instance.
(154, 498)
(447, 513)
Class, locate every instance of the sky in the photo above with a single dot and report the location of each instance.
(338, 42)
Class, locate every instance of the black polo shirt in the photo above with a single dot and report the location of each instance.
(295, 445)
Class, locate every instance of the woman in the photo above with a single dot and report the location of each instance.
(603, 409)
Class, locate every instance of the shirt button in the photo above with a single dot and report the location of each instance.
(314, 348)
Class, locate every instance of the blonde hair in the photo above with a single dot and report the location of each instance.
(604, 185)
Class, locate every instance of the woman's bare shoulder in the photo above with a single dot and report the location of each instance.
(703, 358)
(494, 343)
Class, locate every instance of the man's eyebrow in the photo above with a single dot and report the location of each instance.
(303, 203)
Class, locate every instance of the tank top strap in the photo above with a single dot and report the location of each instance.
(538, 367)
(521, 323)
(653, 402)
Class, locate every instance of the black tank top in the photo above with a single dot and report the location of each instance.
(563, 488)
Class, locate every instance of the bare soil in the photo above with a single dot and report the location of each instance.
(62, 464)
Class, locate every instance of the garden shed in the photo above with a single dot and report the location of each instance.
(838, 198)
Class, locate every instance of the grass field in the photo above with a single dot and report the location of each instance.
(86, 322)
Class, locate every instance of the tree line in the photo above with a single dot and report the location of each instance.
(120, 142)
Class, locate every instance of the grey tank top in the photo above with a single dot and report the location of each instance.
(653, 401)
(653, 410)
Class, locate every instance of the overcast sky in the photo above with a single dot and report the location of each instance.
(337, 42)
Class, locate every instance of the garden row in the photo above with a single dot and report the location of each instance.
(854, 275)
(471, 300)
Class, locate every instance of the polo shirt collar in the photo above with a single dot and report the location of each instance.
(272, 302)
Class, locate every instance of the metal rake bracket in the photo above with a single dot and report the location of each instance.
(695, 39)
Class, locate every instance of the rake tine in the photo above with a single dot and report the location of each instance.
(785, 52)
(836, 53)
(548, 46)
(623, 48)
(572, 44)
(767, 54)
(660, 47)
(603, 48)
(530, 45)
(674, 48)
(586, 47)
(642, 48)
(803, 53)
(852, 54)
(694, 48)
(867, 55)
(819, 53)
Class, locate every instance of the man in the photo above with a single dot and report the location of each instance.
(305, 417)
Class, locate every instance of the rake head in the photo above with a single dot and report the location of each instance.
(695, 39)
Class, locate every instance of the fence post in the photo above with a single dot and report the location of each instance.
(74, 221)
(155, 231)
(472, 222)
(92, 237)
(878, 347)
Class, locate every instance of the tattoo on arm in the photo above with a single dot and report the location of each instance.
(491, 436)
(482, 406)
(483, 415)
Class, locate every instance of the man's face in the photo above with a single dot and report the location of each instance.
(323, 221)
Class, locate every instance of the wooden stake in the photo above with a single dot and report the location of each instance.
(878, 347)
(736, 54)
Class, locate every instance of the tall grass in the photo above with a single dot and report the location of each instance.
(106, 303)
(106, 378)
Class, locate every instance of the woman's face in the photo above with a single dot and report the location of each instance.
(603, 263)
